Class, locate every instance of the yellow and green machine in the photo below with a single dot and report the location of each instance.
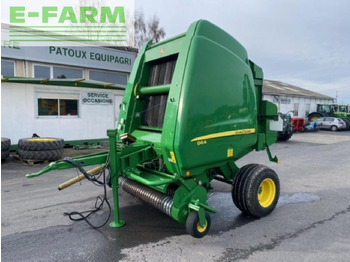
(333, 110)
(192, 107)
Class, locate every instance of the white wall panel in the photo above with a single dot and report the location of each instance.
(20, 120)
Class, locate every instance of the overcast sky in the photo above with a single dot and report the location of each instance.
(300, 42)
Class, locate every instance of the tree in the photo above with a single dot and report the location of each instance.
(147, 31)
(143, 31)
(105, 33)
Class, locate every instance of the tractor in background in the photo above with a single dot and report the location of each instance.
(334, 110)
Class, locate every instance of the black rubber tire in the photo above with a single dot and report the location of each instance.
(54, 154)
(334, 128)
(285, 137)
(5, 154)
(192, 222)
(40, 143)
(347, 123)
(247, 186)
(5, 144)
(238, 184)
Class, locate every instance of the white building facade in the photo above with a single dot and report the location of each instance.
(292, 98)
(70, 92)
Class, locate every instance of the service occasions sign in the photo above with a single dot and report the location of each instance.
(97, 98)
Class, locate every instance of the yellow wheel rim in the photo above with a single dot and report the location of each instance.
(266, 192)
(314, 118)
(41, 139)
(201, 229)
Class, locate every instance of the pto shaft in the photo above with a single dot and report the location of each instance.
(80, 177)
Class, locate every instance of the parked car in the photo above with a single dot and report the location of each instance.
(330, 123)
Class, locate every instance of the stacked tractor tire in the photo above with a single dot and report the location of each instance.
(5, 148)
(40, 148)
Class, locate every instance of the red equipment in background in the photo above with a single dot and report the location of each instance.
(298, 124)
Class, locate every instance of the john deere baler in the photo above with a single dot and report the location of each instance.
(192, 107)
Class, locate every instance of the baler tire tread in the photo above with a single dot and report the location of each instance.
(192, 222)
(43, 155)
(243, 188)
(252, 207)
(5, 144)
(238, 185)
(40, 143)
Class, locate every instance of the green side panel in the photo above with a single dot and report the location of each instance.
(268, 112)
(220, 37)
(128, 118)
(174, 103)
(184, 195)
(217, 96)
(258, 76)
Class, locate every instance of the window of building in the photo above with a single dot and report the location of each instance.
(108, 77)
(50, 104)
(41, 71)
(47, 107)
(66, 72)
(296, 109)
(307, 109)
(7, 68)
(68, 107)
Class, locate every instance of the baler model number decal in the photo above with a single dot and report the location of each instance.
(202, 142)
(225, 134)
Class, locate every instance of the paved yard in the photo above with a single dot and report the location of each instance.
(310, 223)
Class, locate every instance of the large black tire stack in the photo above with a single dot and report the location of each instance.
(40, 148)
(5, 148)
